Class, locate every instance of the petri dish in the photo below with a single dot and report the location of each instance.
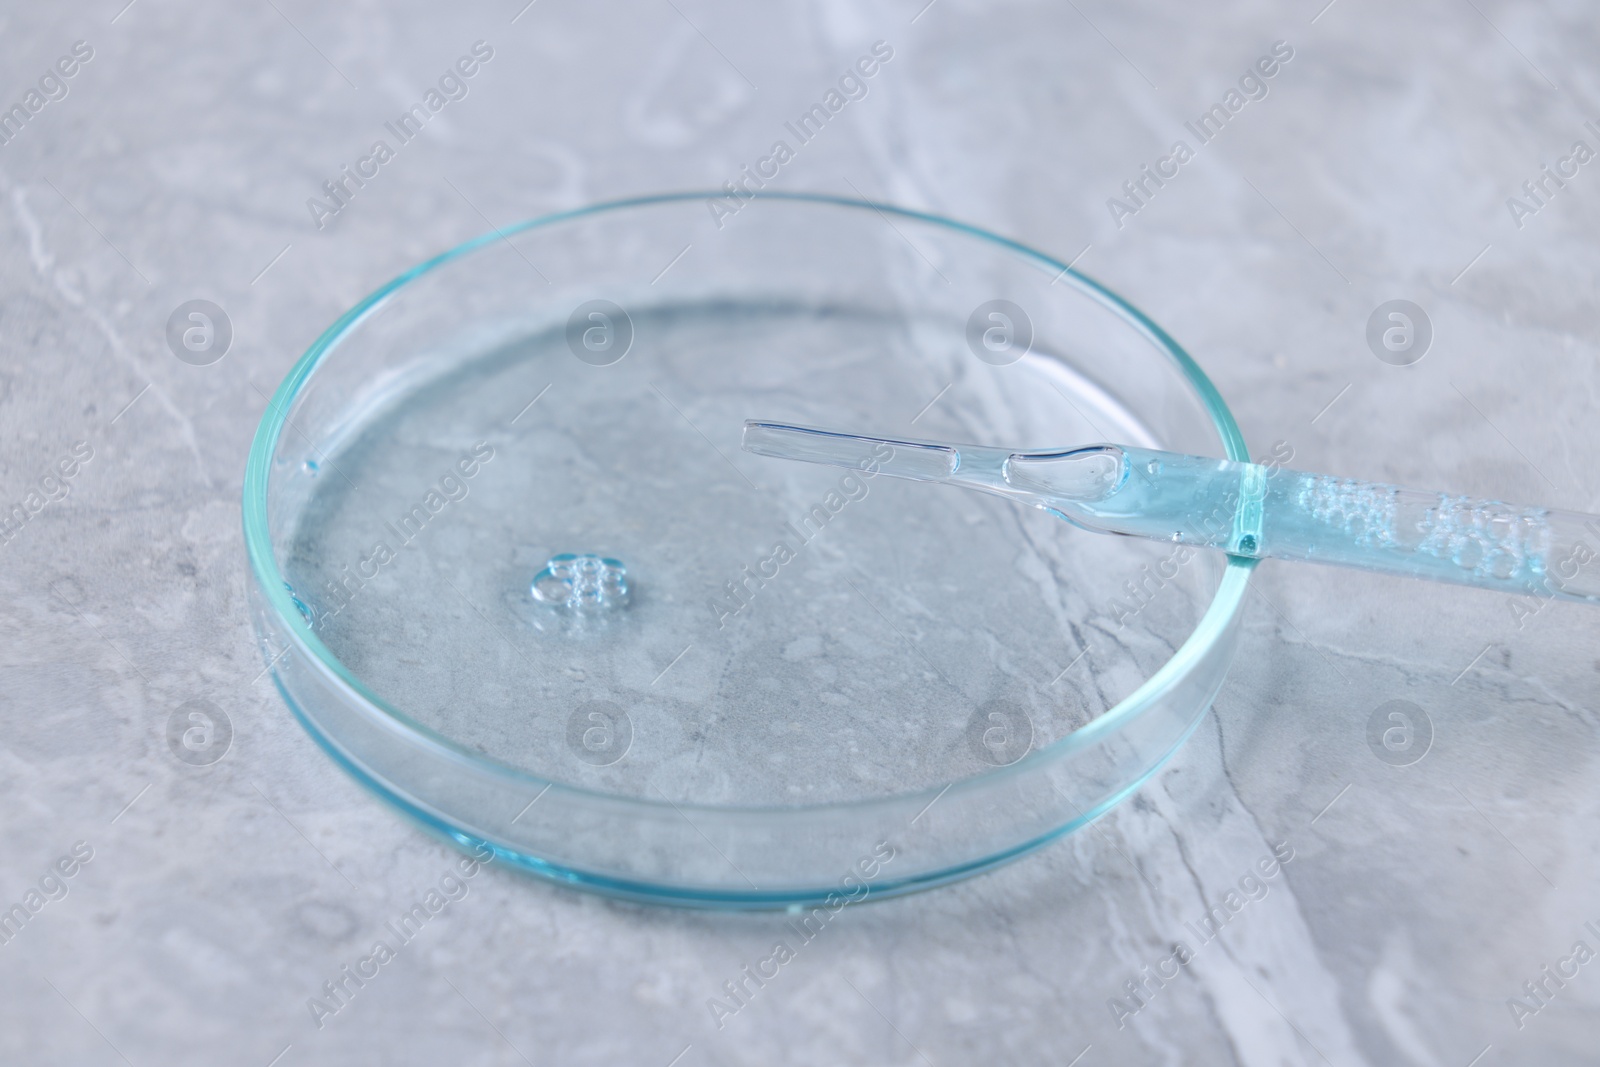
(513, 572)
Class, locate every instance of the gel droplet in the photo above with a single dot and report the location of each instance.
(582, 583)
(300, 605)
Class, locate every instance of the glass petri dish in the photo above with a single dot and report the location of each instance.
(512, 571)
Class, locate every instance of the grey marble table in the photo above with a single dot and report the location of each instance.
(179, 914)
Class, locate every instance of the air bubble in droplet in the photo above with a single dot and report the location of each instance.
(582, 583)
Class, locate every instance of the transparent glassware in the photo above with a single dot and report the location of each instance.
(1247, 509)
(925, 684)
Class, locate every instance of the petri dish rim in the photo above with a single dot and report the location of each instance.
(270, 582)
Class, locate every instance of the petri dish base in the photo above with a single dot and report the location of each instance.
(513, 571)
